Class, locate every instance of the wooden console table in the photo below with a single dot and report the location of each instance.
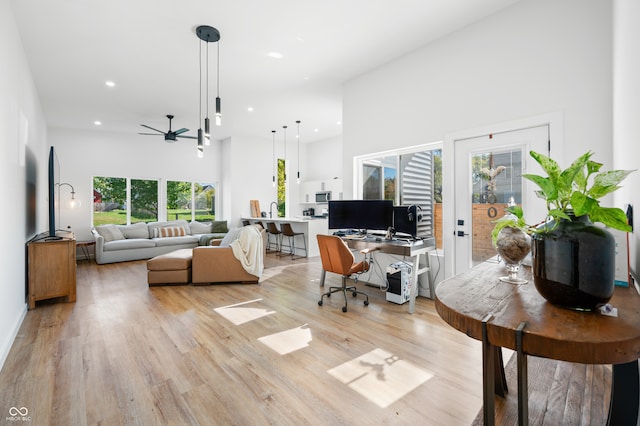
(500, 315)
(51, 265)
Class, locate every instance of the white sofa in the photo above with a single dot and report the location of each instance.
(120, 243)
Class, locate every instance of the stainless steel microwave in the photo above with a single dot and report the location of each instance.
(323, 196)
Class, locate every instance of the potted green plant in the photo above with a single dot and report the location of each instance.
(574, 260)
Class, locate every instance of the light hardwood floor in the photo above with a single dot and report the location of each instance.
(237, 354)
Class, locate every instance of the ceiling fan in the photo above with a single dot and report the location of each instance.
(169, 136)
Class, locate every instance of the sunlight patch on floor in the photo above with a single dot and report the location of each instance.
(288, 341)
(239, 313)
(380, 376)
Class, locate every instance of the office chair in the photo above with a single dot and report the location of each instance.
(337, 258)
(272, 229)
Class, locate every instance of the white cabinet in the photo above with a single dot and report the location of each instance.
(309, 188)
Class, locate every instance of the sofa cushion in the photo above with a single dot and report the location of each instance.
(171, 231)
(172, 241)
(219, 226)
(136, 230)
(154, 226)
(110, 233)
(200, 227)
(129, 244)
(173, 261)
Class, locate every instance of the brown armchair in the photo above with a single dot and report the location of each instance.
(336, 257)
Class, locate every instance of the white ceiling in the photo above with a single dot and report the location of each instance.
(150, 50)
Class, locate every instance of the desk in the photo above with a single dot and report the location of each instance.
(402, 248)
(478, 304)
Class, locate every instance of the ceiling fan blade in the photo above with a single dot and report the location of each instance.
(148, 127)
(177, 132)
(187, 137)
(150, 134)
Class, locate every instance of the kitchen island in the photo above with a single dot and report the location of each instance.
(310, 226)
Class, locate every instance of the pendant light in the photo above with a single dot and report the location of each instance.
(218, 102)
(298, 138)
(285, 154)
(273, 162)
(209, 35)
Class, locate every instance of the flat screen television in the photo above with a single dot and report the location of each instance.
(363, 215)
(404, 220)
(54, 185)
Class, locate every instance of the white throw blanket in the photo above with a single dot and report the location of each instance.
(248, 249)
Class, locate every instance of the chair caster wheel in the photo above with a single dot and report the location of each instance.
(366, 303)
(354, 294)
(344, 309)
(329, 295)
(319, 302)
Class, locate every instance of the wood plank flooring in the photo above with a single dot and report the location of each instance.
(238, 354)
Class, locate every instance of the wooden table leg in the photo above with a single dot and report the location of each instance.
(523, 380)
(625, 394)
(494, 381)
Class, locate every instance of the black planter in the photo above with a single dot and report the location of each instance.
(574, 263)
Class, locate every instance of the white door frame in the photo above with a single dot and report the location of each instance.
(553, 120)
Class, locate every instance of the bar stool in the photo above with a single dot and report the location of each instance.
(245, 222)
(287, 231)
(272, 230)
(259, 222)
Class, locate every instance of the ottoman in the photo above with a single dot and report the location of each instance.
(170, 268)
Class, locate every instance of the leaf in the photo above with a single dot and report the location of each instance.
(610, 216)
(607, 182)
(549, 189)
(593, 167)
(575, 172)
(582, 204)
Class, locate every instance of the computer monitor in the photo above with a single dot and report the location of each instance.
(364, 215)
(405, 220)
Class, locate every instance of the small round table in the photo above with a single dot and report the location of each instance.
(499, 314)
(84, 246)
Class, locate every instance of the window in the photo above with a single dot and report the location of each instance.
(109, 201)
(124, 201)
(178, 200)
(144, 200)
(412, 176)
(205, 201)
(282, 190)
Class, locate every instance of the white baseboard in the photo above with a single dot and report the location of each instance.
(8, 342)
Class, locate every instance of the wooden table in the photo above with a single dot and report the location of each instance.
(478, 304)
(84, 246)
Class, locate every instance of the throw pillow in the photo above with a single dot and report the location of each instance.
(137, 230)
(232, 235)
(110, 233)
(219, 226)
(200, 227)
(172, 231)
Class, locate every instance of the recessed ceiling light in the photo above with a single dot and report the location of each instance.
(316, 130)
(339, 123)
(275, 55)
(97, 123)
(300, 39)
(110, 83)
(250, 109)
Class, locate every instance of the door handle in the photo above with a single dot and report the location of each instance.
(460, 233)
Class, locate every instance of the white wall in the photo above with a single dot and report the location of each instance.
(247, 164)
(626, 108)
(85, 154)
(322, 159)
(18, 103)
(530, 59)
